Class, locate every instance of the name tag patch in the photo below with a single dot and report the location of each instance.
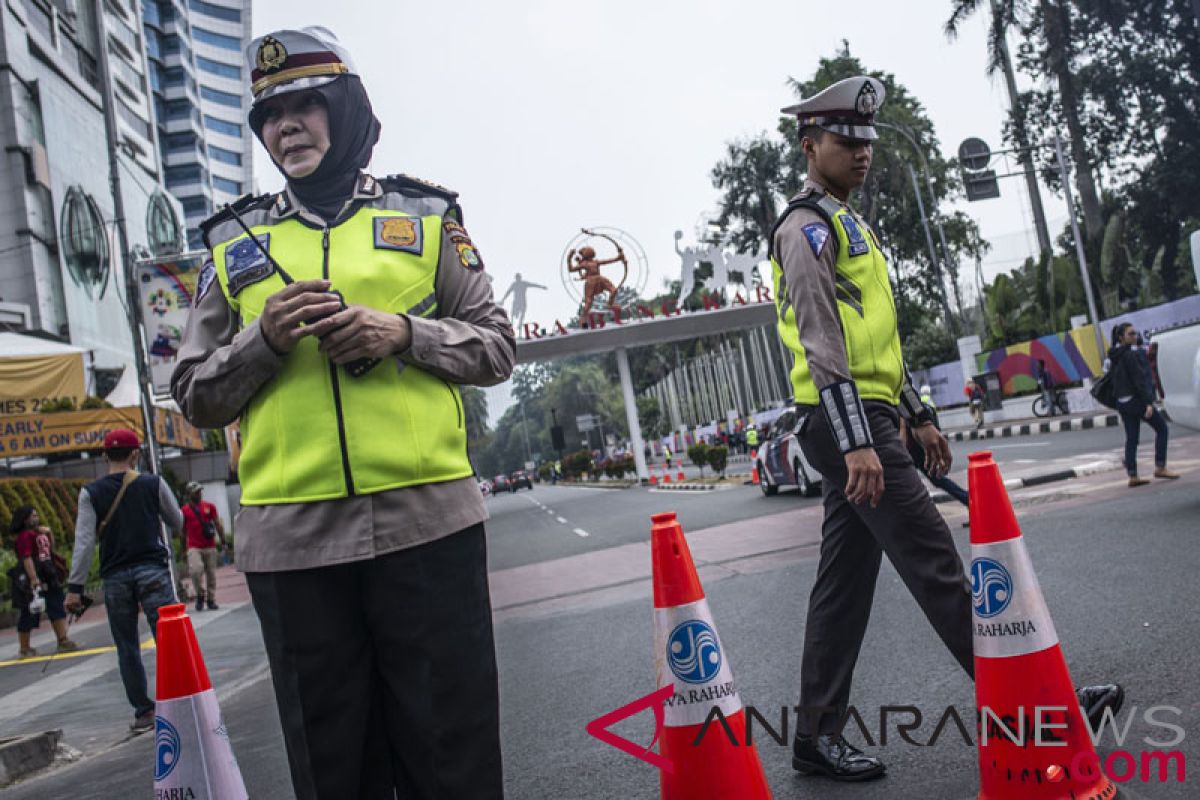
(399, 233)
(245, 263)
(854, 235)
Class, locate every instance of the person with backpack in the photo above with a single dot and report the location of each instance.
(203, 534)
(38, 583)
(122, 513)
(1132, 387)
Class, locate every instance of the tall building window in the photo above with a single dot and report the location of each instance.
(216, 39)
(224, 98)
(84, 242)
(217, 68)
(221, 126)
(219, 12)
(227, 186)
(224, 156)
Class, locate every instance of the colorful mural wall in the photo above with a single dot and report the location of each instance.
(1070, 357)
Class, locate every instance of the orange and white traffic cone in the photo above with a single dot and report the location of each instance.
(192, 754)
(681, 477)
(754, 473)
(1033, 741)
(689, 656)
(666, 475)
(653, 477)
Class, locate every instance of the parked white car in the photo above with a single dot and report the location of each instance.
(1178, 363)
(781, 462)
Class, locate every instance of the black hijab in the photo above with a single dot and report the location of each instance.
(353, 132)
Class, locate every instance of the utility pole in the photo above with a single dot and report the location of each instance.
(132, 301)
(1083, 269)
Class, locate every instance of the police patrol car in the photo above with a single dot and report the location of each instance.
(781, 463)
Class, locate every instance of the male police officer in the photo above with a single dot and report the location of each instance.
(836, 313)
(361, 532)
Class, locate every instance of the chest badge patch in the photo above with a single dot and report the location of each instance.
(399, 233)
(468, 256)
(245, 263)
(854, 236)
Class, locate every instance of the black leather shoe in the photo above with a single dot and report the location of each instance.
(833, 757)
(1094, 699)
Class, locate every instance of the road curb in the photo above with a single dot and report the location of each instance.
(1034, 428)
(1079, 471)
(23, 755)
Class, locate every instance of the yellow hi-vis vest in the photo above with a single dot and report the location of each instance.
(865, 306)
(314, 432)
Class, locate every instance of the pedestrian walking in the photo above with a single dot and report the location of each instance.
(832, 291)
(361, 528)
(1133, 386)
(44, 573)
(1045, 382)
(123, 512)
(204, 536)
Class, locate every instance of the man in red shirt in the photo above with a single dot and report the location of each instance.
(204, 532)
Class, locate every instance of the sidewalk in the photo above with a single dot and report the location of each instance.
(231, 590)
(1032, 426)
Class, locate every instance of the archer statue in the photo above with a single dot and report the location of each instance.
(594, 282)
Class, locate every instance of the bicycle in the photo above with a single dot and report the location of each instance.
(1041, 409)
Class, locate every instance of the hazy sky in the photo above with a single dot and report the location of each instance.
(548, 116)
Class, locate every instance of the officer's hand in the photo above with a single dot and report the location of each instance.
(865, 483)
(937, 449)
(296, 303)
(1149, 411)
(361, 332)
(72, 603)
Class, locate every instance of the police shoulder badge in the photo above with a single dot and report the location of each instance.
(271, 54)
(468, 256)
(245, 263)
(399, 233)
(817, 235)
(867, 101)
(205, 281)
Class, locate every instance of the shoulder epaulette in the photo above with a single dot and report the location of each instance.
(409, 184)
(243, 203)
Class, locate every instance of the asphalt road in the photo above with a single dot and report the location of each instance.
(1117, 568)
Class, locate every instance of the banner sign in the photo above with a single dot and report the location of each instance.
(29, 382)
(70, 431)
(167, 291)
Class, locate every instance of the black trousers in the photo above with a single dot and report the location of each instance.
(385, 673)
(908, 528)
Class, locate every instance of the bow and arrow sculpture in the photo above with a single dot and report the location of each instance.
(586, 263)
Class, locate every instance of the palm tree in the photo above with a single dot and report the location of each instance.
(1003, 17)
(748, 179)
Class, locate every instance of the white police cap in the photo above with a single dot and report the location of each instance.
(847, 108)
(292, 60)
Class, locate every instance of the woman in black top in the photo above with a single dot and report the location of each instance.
(1133, 385)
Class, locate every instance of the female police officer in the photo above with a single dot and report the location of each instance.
(338, 334)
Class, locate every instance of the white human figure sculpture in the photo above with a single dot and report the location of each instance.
(691, 260)
(518, 290)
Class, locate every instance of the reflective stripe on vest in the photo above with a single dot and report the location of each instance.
(313, 432)
(865, 307)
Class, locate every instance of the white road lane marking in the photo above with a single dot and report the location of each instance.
(581, 532)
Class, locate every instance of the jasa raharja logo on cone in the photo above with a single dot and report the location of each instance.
(166, 748)
(991, 587)
(693, 652)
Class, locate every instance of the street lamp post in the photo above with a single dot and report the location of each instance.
(937, 218)
(1083, 269)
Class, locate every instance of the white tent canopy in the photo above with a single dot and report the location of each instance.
(15, 345)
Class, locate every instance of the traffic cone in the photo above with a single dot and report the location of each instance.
(754, 473)
(653, 477)
(681, 476)
(1033, 741)
(688, 655)
(192, 754)
(666, 475)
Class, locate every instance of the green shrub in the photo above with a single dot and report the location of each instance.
(718, 457)
(698, 453)
(577, 463)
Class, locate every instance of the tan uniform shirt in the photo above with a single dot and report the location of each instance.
(222, 365)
